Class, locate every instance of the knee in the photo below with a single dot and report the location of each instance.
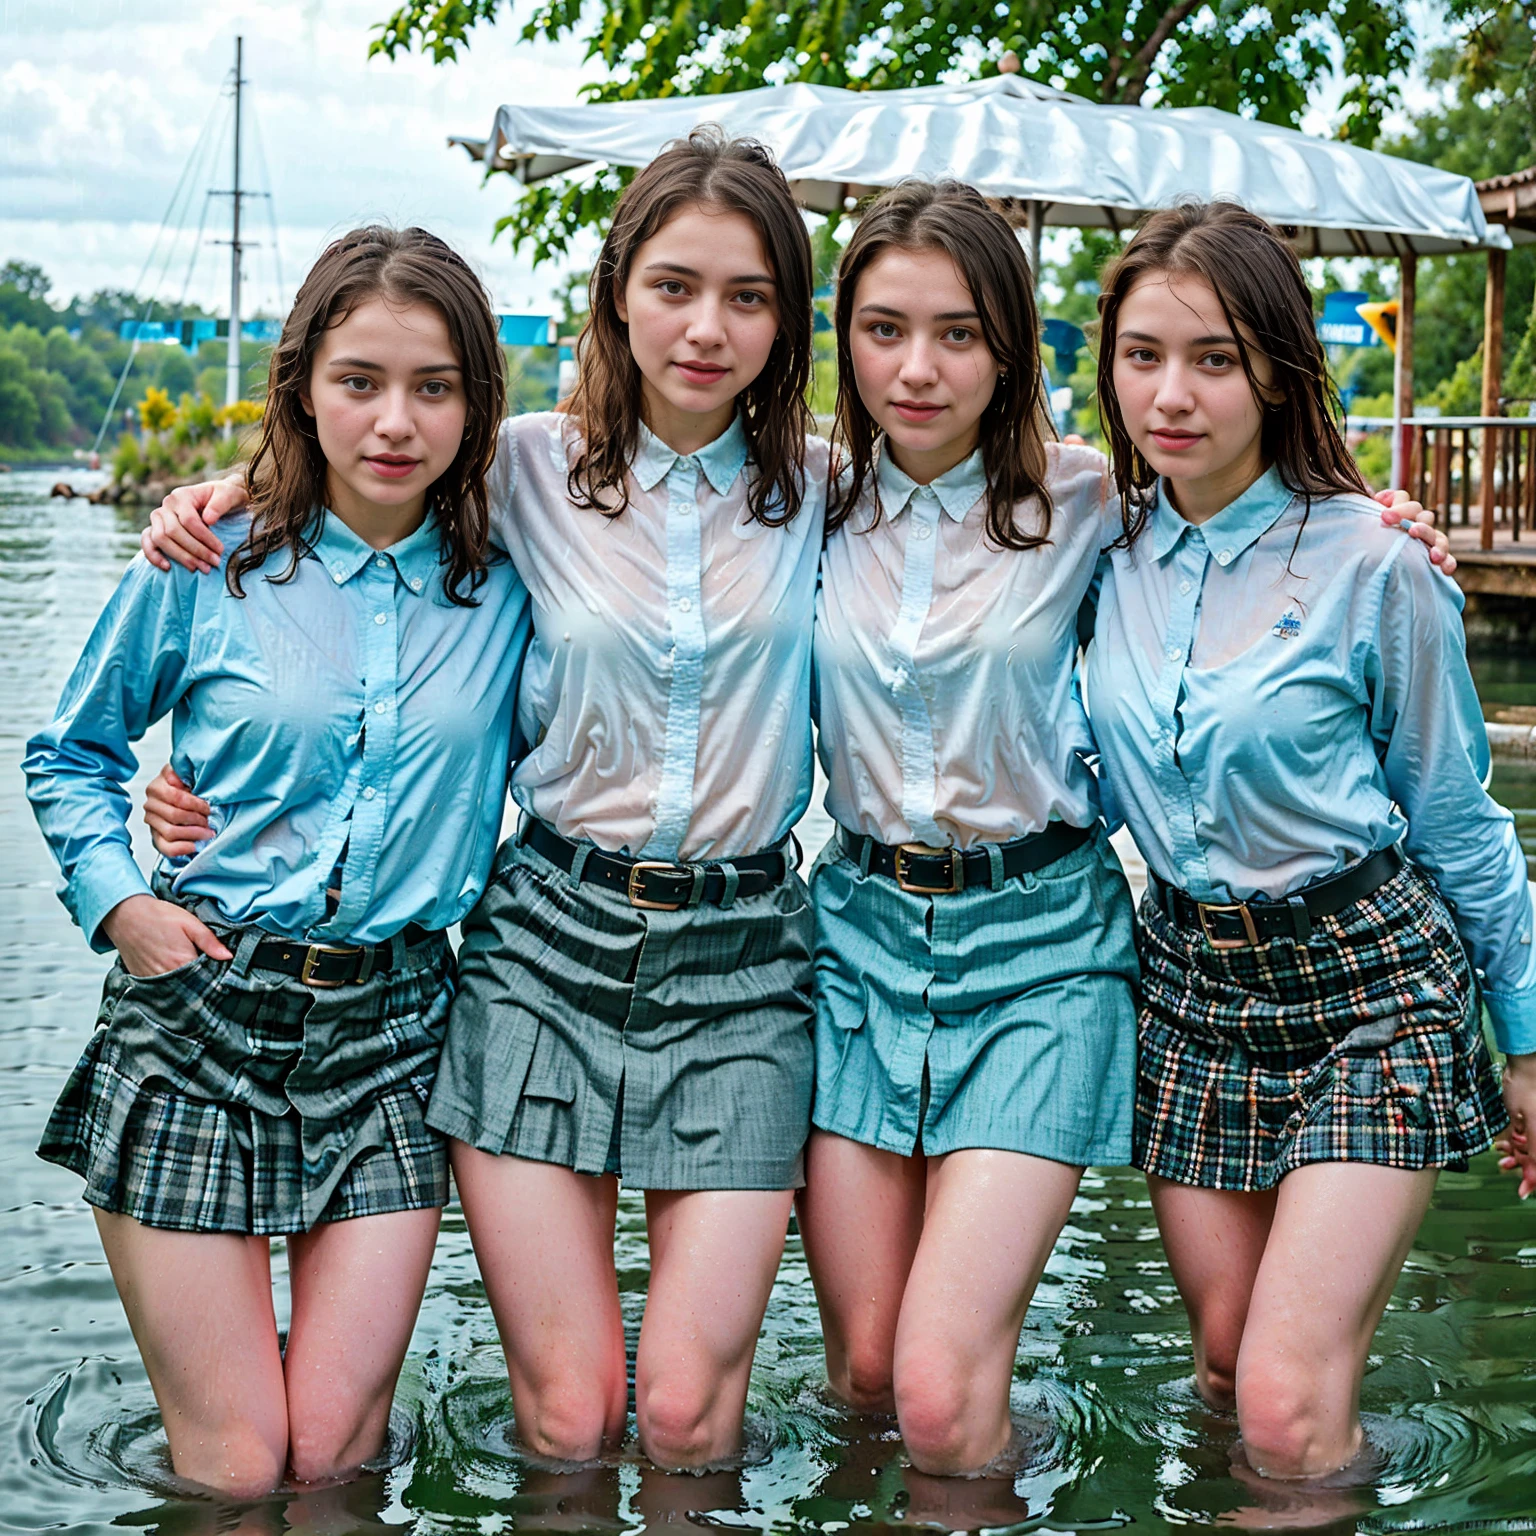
(936, 1414)
(240, 1462)
(1281, 1424)
(862, 1379)
(326, 1453)
(678, 1426)
(567, 1422)
(1216, 1377)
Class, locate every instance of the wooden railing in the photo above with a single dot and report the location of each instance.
(1449, 459)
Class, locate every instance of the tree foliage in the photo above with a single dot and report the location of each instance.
(1259, 60)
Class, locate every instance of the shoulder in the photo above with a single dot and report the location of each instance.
(551, 432)
(1075, 472)
(1348, 529)
(818, 460)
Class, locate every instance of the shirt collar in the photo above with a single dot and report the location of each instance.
(720, 461)
(416, 557)
(1232, 529)
(958, 489)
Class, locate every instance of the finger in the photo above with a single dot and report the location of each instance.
(194, 522)
(170, 776)
(174, 850)
(190, 533)
(173, 541)
(228, 496)
(182, 800)
(153, 555)
(208, 941)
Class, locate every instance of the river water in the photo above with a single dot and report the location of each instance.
(1116, 1435)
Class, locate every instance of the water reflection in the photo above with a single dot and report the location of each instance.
(1112, 1434)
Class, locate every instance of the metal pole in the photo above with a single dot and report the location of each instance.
(1036, 211)
(232, 373)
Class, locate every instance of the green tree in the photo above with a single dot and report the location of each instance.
(1259, 60)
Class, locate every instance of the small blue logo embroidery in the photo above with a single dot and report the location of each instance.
(1288, 625)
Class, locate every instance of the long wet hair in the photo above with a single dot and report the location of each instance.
(735, 176)
(288, 471)
(954, 218)
(1259, 284)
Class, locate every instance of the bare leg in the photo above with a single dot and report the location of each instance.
(861, 1217)
(357, 1287)
(1340, 1236)
(991, 1221)
(1215, 1242)
(543, 1237)
(714, 1254)
(200, 1306)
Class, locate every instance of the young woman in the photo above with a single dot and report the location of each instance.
(636, 982)
(974, 957)
(1288, 724)
(269, 1033)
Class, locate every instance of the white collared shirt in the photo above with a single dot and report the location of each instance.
(944, 665)
(666, 694)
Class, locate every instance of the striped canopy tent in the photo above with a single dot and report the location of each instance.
(1052, 158)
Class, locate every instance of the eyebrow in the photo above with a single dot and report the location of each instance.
(682, 271)
(362, 362)
(901, 314)
(1198, 341)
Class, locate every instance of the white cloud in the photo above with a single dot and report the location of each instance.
(102, 103)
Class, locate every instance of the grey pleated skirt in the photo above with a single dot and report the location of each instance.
(671, 1048)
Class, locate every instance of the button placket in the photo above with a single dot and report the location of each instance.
(685, 621)
(1192, 560)
(917, 751)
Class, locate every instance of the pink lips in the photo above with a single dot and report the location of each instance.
(1176, 442)
(915, 410)
(701, 373)
(391, 466)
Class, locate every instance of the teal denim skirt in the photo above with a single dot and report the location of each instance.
(1001, 1018)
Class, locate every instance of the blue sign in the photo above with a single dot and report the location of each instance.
(526, 331)
(1066, 341)
(1341, 325)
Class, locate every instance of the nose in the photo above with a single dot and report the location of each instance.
(395, 421)
(706, 322)
(1175, 394)
(918, 363)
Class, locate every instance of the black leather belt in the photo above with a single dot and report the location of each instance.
(334, 965)
(1242, 924)
(654, 884)
(928, 871)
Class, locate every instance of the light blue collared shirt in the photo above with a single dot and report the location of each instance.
(944, 664)
(351, 718)
(1271, 710)
(667, 689)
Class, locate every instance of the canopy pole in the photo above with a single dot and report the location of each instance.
(1402, 375)
(1493, 379)
(1036, 211)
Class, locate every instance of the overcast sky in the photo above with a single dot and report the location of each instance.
(102, 102)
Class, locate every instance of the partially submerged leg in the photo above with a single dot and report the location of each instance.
(357, 1287)
(1215, 1240)
(1341, 1233)
(992, 1218)
(200, 1306)
(861, 1217)
(543, 1238)
(714, 1254)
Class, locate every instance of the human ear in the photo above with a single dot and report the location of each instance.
(620, 305)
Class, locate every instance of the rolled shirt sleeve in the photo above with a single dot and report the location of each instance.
(1428, 726)
(132, 671)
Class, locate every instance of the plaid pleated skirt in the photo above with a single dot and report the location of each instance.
(220, 1098)
(1363, 1045)
(670, 1048)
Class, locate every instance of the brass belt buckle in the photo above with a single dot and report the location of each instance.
(925, 850)
(312, 956)
(1205, 908)
(633, 888)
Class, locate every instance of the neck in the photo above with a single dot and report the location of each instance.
(683, 432)
(377, 526)
(924, 465)
(1201, 497)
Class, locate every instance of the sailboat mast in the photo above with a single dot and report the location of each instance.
(232, 376)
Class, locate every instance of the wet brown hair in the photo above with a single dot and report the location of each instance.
(954, 218)
(736, 176)
(288, 471)
(1259, 284)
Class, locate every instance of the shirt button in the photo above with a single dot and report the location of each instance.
(369, 793)
(380, 708)
(567, 637)
(416, 584)
(923, 531)
(685, 506)
(1174, 653)
(381, 618)
(382, 563)
(1183, 586)
(338, 573)
(684, 605)
(1224, 558)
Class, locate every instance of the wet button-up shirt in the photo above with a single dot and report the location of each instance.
(944, 665)
(667, 689)
(1271, 709)
(351, 717)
